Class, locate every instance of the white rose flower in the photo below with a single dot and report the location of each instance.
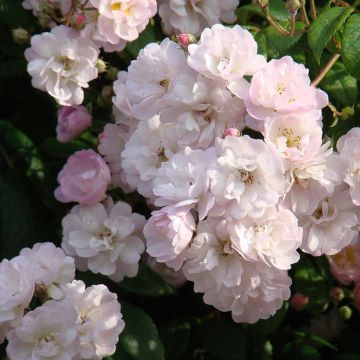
(314, 179)
(248, 177)
(149, 146)
(273, 238)
(184, 178)
(332, 226)
(48, 332)
(183, 16)
(50, 267)
(349, 147)
(297, 139)
(146, 91)
(16, 290)
(62, 62)
(228, 54)
(250, 290)
(202, 109)
(99, 321)
(105, 240)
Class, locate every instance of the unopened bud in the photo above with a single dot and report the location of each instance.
(112, 73)
(293, 5)
(347, 112)
(345, 312)
(78, 21)
(101, 66)
(336, 294)
(185, 40)
(299, 301)
(107, 91)
(231, 132)
(20, 36)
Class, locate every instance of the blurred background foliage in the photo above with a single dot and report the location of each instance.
(163, 322)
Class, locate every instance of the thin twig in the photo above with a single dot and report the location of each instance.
(304, 15)
(313, 9)
(325, 69)
(274, 23)
(292, 23)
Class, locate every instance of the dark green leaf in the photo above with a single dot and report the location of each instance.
(19, 143)
(278, 44)
(338, 83)
(262, 43)
(140, 339)
(14, 15)
(325, 26)
(223, 339)
(175, 339)
(147, 283)
(278, 10)
(54, 148)
(351, 45)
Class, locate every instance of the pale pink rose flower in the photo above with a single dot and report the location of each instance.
(345, 265)
(247, 177)
(296, 138)
(299, 301)
(123, 19)
(251, 290)
(283, 88)
(84, 178)
(48, 332)
(72, 121)
(168, 233)
(62, 63)
(272, 238)
(99, 321)
(228, 54)
(348, 146)
(50, 267)
(183, 16)
(332, 226)
(104, 239)
(16, 290)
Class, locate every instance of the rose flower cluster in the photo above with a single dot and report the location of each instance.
(45, 313)
(231, 211)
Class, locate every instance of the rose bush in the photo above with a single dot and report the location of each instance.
(185, 184)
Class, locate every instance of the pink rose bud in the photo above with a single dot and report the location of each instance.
(299, 301)
(72, 121)
(185, 39)
(80, 19)
(231, 132)
(84, 178)
(357, 296)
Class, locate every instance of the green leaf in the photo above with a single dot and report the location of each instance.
(175, 339)
(278, 44)
(351, 45)
(340, 85)
(19, 143)
(62, 151)
(262, 42)
(325, 26)
(16, 217)
(140, 339)
(278, 10)
(269, 326)
(14, 15)
(223, 339)
(147, 283)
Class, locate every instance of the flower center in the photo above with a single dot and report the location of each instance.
(224, 248)
(161, 157)
(66, 62)
(280, 88)
(118, 6)
(245, 176)
(292, 140)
